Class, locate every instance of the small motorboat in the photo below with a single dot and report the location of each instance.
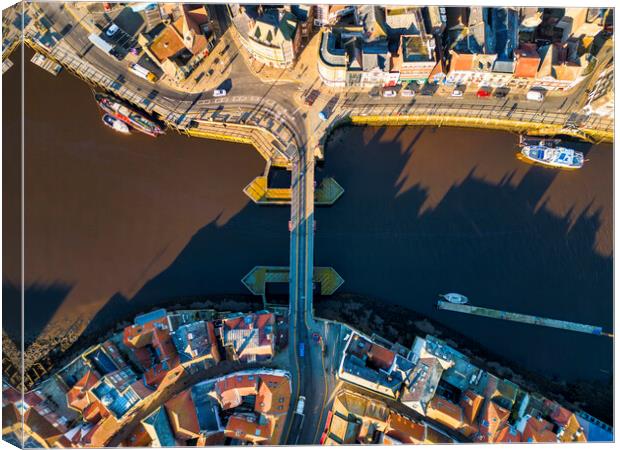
(459, 299)
(115, 124)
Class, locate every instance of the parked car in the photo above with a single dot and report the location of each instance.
(483, 93)
(107, 7)
(374, 92)
(316, 337)
(219, 93)
(457, 93)
(536, 96)
(501, 92)
(112, 30)
(407, 93)
(311, 98)
(389, 93)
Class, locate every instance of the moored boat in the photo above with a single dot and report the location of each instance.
(453, 297)
(560, 157)
(115, 124)
(127, 114)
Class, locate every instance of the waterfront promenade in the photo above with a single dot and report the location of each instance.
(288, 134)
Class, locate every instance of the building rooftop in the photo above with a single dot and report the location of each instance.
(415, 48)
(182, 415)
(159, 429)
(195, 340)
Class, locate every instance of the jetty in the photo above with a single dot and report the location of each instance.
(522, 318)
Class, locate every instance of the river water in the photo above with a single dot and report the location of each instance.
(116, 223)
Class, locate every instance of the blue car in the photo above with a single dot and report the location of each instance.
(301, 350)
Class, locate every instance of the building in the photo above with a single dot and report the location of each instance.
(151, 344)
(561, 67)
(346, 59)
(179, 47)
(374, 367)
(331, 14)
(483, 51)
(401, 20)
(601, 97)
(271, 36)
(416, 58)
(249, 338)
(196, 341)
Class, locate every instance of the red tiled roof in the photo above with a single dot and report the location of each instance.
(182, 414)
(558, 414)
(381, 356)
(527, 61)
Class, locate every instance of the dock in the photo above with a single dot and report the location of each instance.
(325, 195)
(522, 318)
(256, 281)
(46, 64)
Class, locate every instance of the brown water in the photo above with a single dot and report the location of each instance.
(430, 211)
(115, 221)
(116, 224)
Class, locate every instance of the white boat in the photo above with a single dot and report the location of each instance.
(115, 124)
(561, 157)
(452, 297)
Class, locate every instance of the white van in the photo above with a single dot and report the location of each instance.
(536, 96)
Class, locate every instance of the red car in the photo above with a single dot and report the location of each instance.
(311, 98)
(483, 93)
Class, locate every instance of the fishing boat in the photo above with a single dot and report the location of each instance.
(115, 124)
(560, 157)
(453, 297)
(127, 114)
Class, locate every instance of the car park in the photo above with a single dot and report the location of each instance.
(219, 93)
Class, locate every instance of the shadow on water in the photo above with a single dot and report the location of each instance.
(212, 263)
(45, 299)
(488, 234)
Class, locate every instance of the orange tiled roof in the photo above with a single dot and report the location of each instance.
(493, 418)
(538, 430)
(167, 44)
(471, 403)
(182, 414)
(139, 437)
(446, 412)
(78, 397)
(508, 434)
(246, 428)
(461, 61)
(405, 430)
(233, 387)
(274, 395)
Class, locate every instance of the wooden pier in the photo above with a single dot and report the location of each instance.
(522, 318)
